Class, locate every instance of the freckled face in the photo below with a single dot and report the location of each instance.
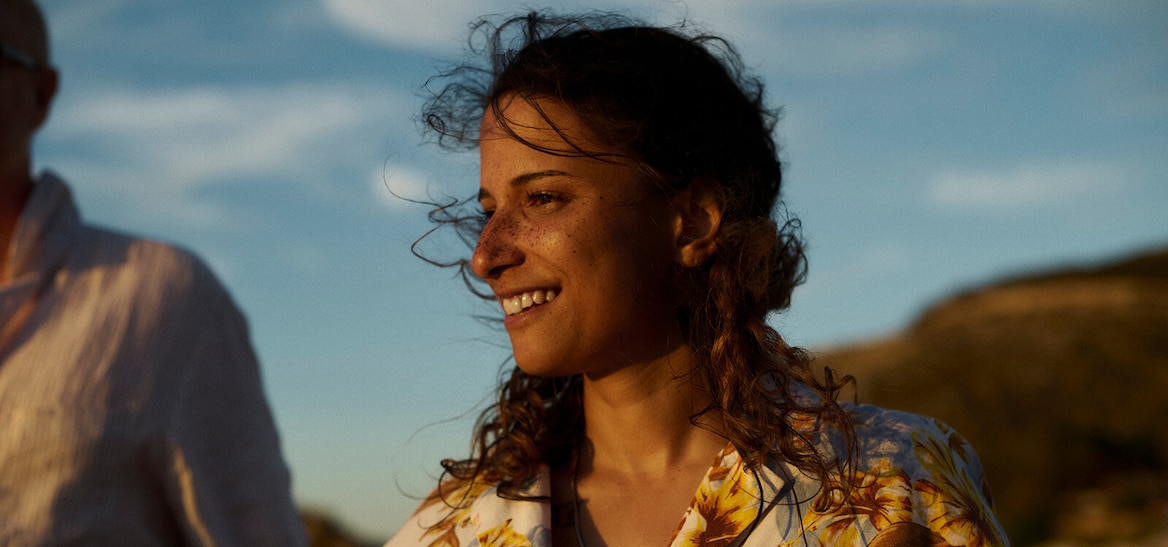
(579, 251)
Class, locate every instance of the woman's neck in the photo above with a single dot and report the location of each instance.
(639, 419)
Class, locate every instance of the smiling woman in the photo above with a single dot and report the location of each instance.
(628, 180)
(589, 232)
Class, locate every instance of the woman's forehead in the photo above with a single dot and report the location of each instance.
(545, 123)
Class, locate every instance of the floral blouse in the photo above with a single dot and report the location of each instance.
(916, 482)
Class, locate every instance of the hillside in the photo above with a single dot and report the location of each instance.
(1060, 380)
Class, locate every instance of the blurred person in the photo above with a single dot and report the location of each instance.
(628, 182)
(131, 404)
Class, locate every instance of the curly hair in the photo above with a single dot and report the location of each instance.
(680, 107)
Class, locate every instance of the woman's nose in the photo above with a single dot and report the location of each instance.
(497, 248)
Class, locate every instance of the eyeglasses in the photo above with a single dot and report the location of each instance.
(19, 57)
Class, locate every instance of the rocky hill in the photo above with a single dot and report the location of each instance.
(324, 530)
(1060, 380)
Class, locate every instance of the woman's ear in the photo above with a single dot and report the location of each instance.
(699, 215)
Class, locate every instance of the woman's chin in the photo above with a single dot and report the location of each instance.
(541, 369)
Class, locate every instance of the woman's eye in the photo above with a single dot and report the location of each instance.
(542, 198)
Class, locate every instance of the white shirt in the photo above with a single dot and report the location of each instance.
(131, 405)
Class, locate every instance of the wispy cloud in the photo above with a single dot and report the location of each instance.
(397, 184)
(158, 146)
(432, 25)
(1024, 186)
(778, 35)
(442, 26)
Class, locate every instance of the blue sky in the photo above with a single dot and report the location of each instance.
(930, 147)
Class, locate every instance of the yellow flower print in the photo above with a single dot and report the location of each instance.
(725, 505)
(458, 496)
(951, 499)
(880, 497)
(503, 535)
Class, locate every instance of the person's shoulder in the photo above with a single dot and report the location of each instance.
(922, 476)
(897, 434)
(153, 273)
(877, 421)
(152, 259)
(444, 514)
(930, 466)
(470, 511)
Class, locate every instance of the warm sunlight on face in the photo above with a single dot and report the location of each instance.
(579, 251)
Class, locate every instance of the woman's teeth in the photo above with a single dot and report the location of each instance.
(520, 302)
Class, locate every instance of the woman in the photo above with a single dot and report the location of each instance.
(628, 177)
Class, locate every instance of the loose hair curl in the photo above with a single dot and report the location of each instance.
(680, 107)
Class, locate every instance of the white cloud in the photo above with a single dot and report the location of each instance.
(441, 26)
(204, 133)
(430, 25)
(396, 184)
(1024, 186)
(157, 146)
(768, 33)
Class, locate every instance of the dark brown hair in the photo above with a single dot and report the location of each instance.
(681, 107)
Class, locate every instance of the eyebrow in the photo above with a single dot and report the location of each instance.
(525, 179)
